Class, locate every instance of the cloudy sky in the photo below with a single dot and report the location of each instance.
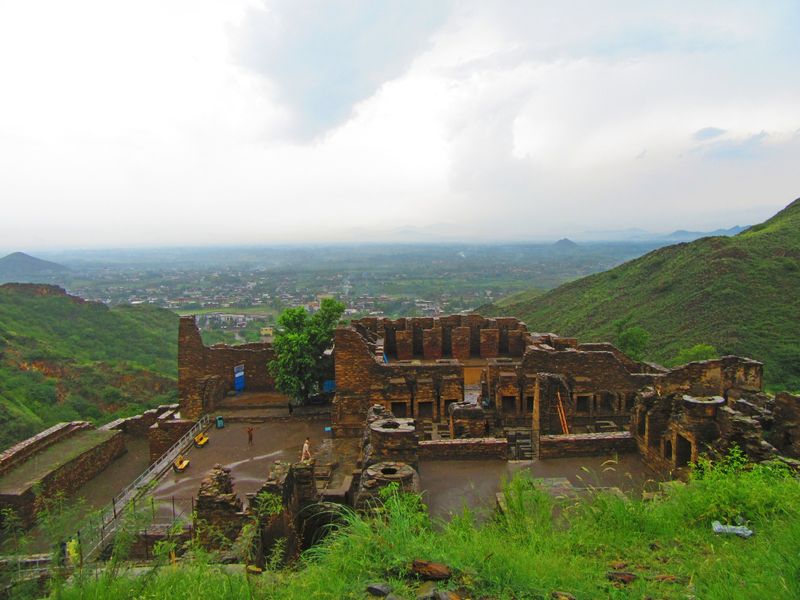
(171, 122)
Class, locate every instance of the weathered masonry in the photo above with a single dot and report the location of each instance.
(418, 367)
(206, 373)
(488, 380)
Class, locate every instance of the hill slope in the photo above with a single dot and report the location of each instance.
(739, 294)
(22, 267)
(63, 358)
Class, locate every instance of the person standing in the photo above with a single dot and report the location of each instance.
(249, 437)
(306, 455)
(291, 408)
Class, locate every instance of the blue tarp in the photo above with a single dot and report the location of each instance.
(238, 378)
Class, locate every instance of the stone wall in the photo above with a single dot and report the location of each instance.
(139, 425)
(464, 449)
(164, 433)
(596, 384)
(585, 444)
(785, 435)
(713, 377)
(218, 510)
(456, 336)
(65, 479)
(672, 430)
(202, 395)
(20, 452)
(363, 379)
(197, 361)
(468, 421)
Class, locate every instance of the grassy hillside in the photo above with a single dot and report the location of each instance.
(601, 546)
(739, 294)
(62, 358)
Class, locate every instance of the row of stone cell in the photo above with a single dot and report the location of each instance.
(458, 342)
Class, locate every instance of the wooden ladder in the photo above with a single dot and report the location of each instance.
(562, 416)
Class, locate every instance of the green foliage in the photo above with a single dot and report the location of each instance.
(696, 352)
(64, 359)
(299, 343)
(739, 293)
(537, 545)
(633, 340)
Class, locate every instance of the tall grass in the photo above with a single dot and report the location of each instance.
(537, 545)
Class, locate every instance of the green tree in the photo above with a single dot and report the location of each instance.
(299, 343)
(632, 340)
(696, 352)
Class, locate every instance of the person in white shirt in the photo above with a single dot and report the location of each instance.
(306, 455)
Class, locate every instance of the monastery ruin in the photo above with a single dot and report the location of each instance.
(409, 392)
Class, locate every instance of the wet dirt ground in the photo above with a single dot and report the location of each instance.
(449, 486)
(277, 440)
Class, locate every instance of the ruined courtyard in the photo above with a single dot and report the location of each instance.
(448, 407)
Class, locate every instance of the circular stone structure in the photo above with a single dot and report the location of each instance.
(393, 426)
(703, 406)
(380, 475)
(394, 440)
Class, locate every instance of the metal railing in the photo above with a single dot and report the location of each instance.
(94, 538)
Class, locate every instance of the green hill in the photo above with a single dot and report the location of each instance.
(64, 358)
(21, 267)
(740, 294)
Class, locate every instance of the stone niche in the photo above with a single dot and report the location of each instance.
(785, 433)
(378, 476)
(468, 420)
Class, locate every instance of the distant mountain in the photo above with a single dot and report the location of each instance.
(640, 235)
(24, 268)
(565, 244)
(64, 358)
(681, 235)
(738, 293)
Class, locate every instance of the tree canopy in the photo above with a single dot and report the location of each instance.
(696, 352)
(300, 341)
(632, 340)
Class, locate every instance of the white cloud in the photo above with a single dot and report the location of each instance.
(222, 122)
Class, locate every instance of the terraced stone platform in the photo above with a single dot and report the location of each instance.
(61, 467)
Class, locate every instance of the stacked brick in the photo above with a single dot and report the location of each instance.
(197, 361)
(218, 510)
(468, 421)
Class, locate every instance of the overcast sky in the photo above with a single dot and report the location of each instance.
(171, 122)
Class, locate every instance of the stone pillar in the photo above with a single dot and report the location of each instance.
(191, 362)
(405, 345)
(490, 343)
(460, 340)
(432, 343)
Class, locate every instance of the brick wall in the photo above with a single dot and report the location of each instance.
(432, 343)
(27, 448)
(66, 479)
(490, 343)
(196, 361)
(460, 343)
(362, 380)
(464, 449)
(164, 434)
(585, 444)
